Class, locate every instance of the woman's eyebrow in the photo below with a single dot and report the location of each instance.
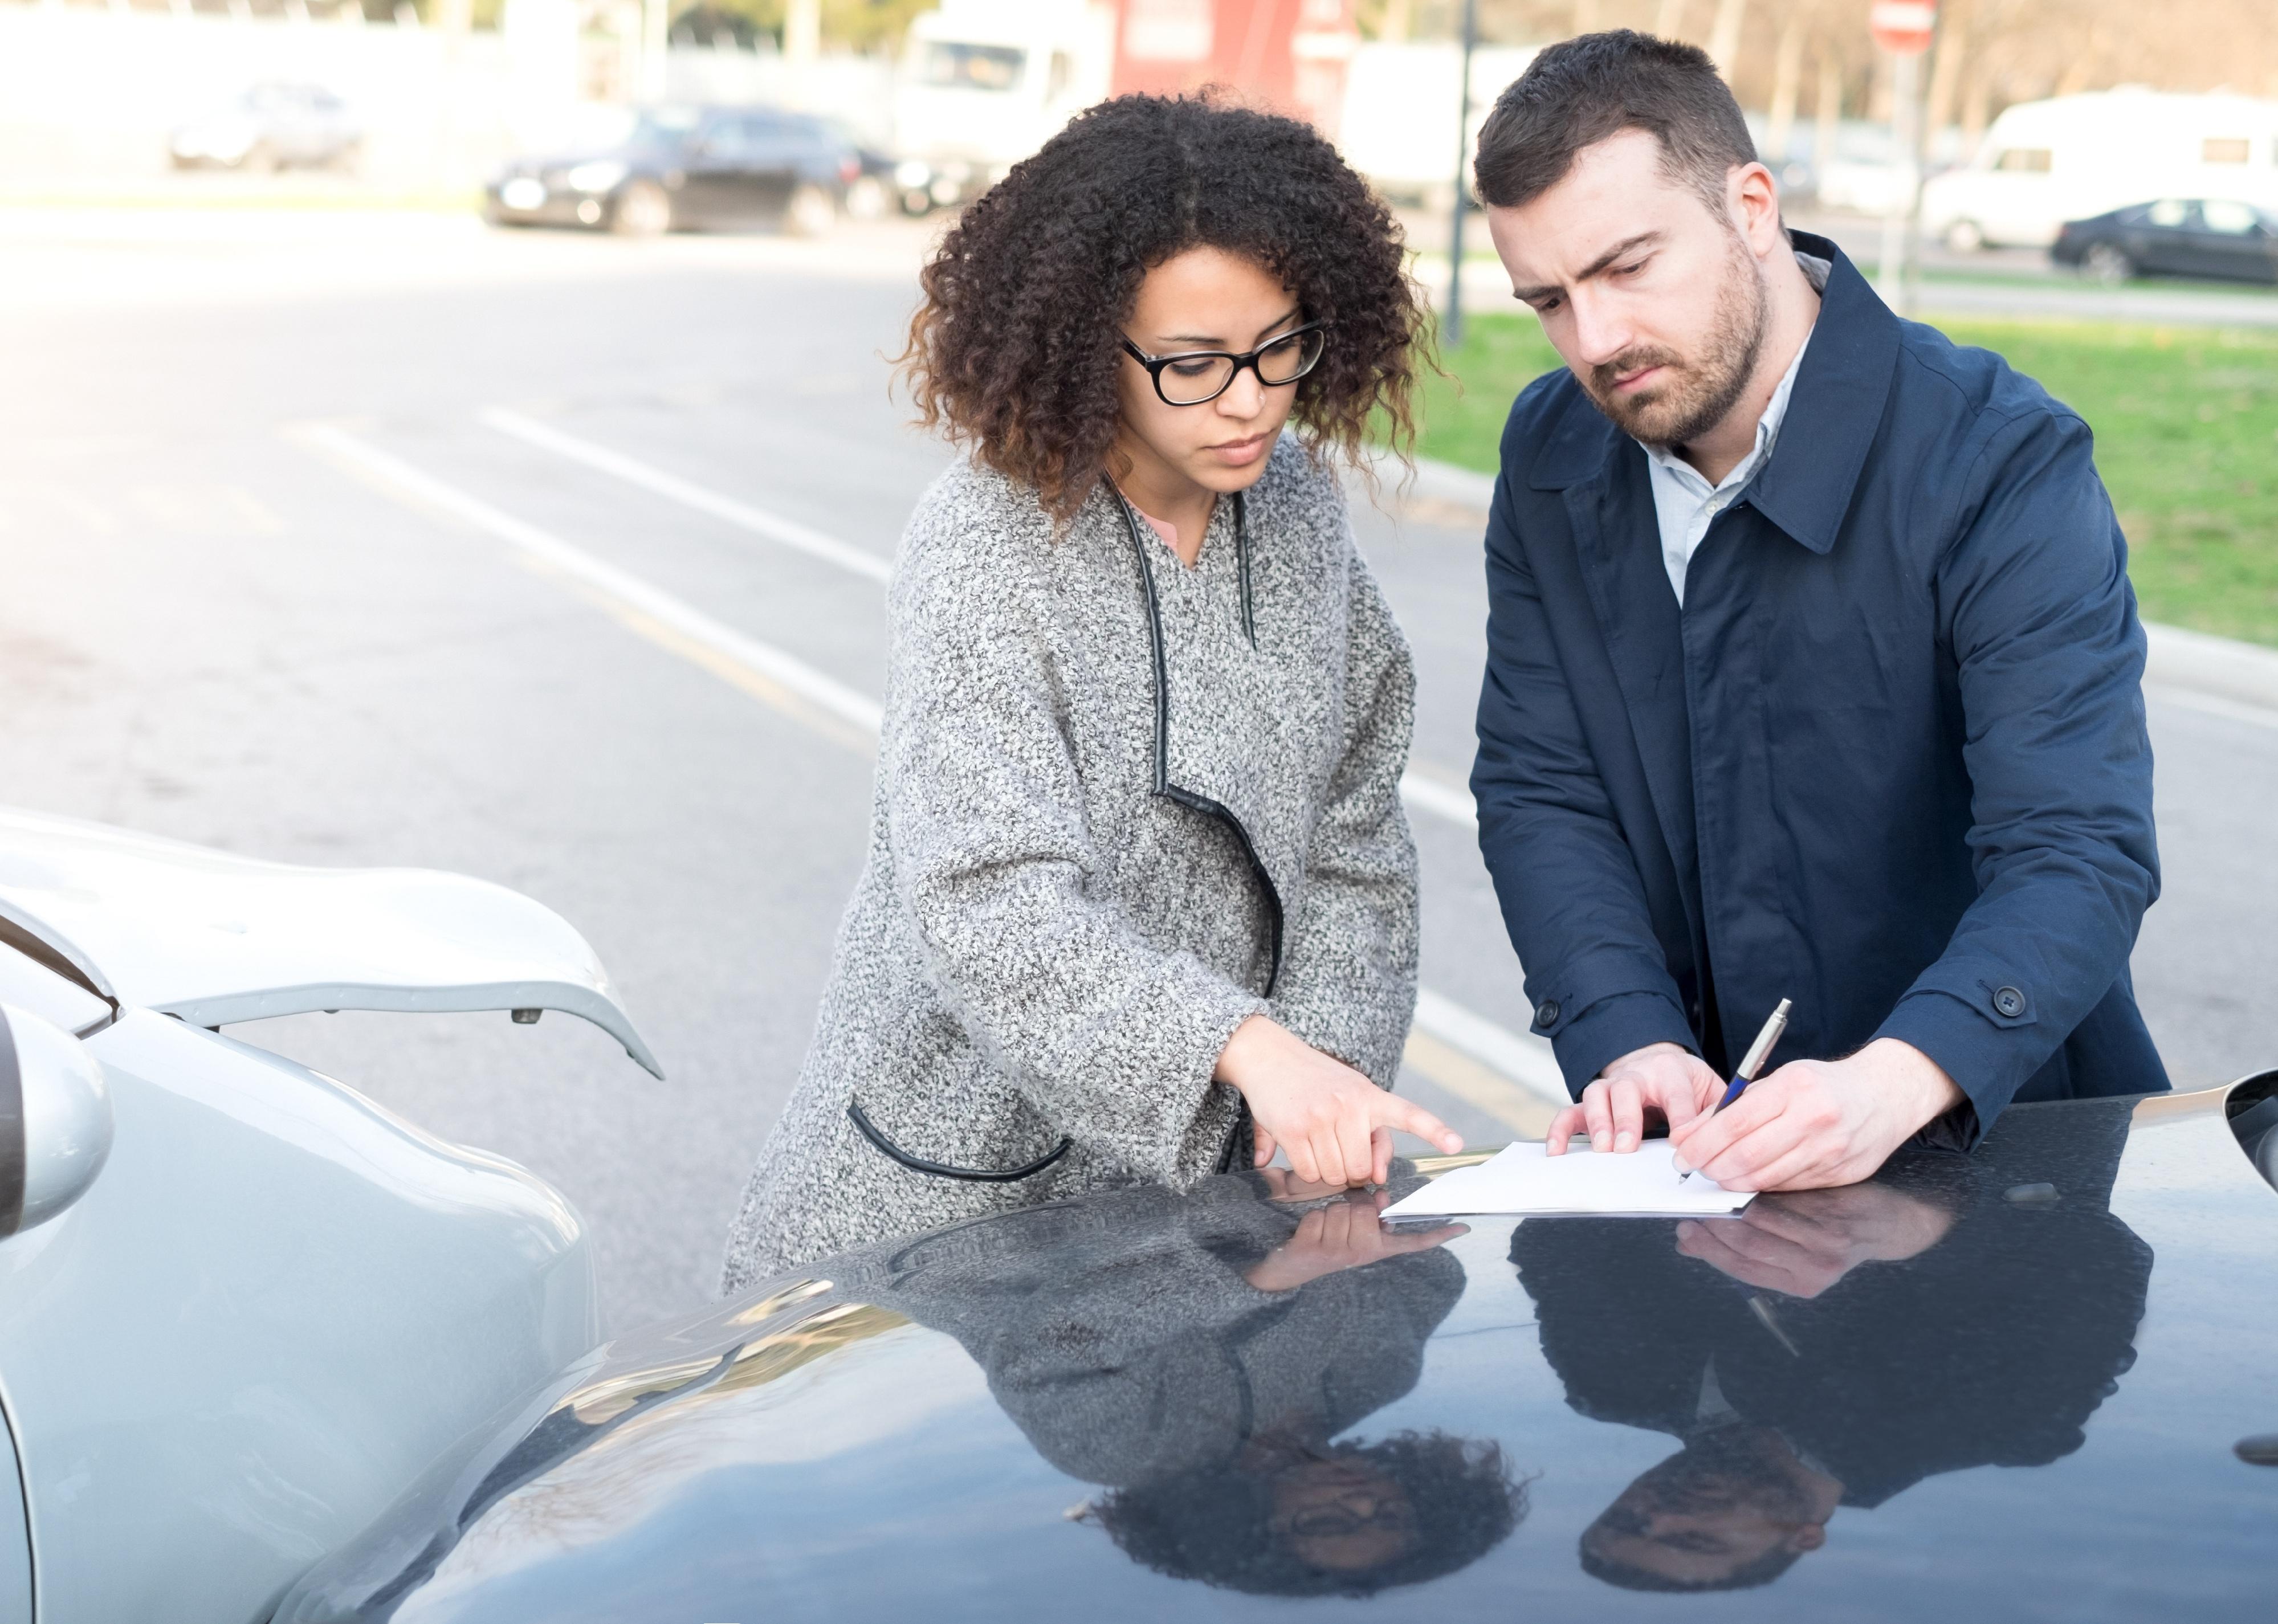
(1212, 340)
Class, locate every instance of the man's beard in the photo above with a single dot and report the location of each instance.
(1701, 390)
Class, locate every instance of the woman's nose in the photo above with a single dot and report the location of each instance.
(1245, 397)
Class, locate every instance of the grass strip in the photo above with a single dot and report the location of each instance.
(2186, 422)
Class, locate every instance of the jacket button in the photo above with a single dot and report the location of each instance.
(1546, 1014)
(2009, 1003)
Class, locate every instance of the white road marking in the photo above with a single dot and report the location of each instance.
(2211, 705)
(655, 480)
(626, 589)
(1525, 1059)
(1422, 795)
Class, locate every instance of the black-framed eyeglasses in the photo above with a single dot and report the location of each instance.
(1199, 376)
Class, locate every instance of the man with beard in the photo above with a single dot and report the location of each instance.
(1813, 667)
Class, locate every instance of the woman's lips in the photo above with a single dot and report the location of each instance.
(1234, 454)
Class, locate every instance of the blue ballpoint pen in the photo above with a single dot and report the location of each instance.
(1751, 1064)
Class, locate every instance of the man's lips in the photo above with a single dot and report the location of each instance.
(1639, 378)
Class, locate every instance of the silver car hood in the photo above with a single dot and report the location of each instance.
(215, 938)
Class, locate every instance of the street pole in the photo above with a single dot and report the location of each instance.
(1906, 99)
(1905, 28)
(1451, 323)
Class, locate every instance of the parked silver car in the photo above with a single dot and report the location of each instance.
(270, 126)
(242, 1308)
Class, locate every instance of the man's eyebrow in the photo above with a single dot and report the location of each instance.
(1626, 246)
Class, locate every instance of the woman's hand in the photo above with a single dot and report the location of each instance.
(1660, 1080)
(1344, 1234)
(1336, 1124)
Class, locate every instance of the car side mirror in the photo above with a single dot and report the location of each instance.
(55, 1120)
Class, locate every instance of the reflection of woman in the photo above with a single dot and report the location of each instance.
(1139, 902)
(1198, 1354)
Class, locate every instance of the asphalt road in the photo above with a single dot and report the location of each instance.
(299, 563)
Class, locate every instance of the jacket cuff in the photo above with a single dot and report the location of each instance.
(1587, 1042)
(1989, 1054)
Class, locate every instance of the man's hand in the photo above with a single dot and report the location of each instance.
(1336, 1124)
(1344, 1234)
(1817, 1123)
(1658, 1081)
(1800, 1245)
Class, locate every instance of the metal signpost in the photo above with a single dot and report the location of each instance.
(1451, 322)
(1903, 28)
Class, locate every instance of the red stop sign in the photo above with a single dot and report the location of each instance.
(1903, 28)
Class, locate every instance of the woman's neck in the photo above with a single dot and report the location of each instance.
(1162, 492)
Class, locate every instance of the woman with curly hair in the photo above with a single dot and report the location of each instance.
(1140, 901)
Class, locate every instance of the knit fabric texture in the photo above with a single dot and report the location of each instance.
(1045, 948)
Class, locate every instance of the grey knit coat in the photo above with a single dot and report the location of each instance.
(1122, 805)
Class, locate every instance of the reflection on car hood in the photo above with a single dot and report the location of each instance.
(216, 937)
(1996, 1386)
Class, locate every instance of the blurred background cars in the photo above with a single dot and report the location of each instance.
(270, 126)
(679, 169)
(2174, 237)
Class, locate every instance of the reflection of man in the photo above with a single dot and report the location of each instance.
(1834, 1347)
(1200, 1354)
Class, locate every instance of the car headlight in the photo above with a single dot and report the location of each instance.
(597, 176)
(912, 173)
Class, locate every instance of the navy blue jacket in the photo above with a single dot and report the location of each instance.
(1889, 759)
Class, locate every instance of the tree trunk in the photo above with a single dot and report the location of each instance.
(1826, 108)
(1787, 84)
(1669, 22)
(1946, 73)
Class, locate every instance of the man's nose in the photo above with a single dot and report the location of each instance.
(1601, 330)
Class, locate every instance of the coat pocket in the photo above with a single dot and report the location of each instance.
(942, 1170)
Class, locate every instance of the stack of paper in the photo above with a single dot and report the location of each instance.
(1525, 1179)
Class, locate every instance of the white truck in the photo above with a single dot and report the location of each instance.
(984, 83)
(2044, 163)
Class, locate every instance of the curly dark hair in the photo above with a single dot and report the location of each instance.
(1013, 350)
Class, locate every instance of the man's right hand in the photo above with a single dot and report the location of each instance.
(1659, 1081)
(1336, 1124)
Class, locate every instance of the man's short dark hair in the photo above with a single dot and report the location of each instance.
(1578, 93)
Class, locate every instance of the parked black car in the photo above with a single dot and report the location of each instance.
(688, 167)
(2032, 1382)
(2173, 237)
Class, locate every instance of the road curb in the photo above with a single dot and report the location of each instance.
(2244, 672)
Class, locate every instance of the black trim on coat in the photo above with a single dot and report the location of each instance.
(942, 1169)
(1164, 786)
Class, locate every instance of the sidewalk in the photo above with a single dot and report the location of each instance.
(1487, 288)
(2223, 670)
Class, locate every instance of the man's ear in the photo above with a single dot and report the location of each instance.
(1810, 1537)
(1754, 200)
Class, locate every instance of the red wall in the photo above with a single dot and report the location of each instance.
(1286, 54)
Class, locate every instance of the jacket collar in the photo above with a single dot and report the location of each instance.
(1805, 487)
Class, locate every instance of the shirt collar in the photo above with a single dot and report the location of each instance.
(1816, 270)
(1843, 388)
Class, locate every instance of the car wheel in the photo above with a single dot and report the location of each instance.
(866, 199)
(1965, 237)
(2107, 264)
(642, 210)
(917, 201)
(811, 213)
(260, 159)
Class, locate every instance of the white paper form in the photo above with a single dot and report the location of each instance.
(1525, 1179)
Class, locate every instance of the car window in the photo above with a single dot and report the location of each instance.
(2224, 150)
(30, 985)
(970, 68)
(2232, 219)
(2167, 213)
(2025, 160)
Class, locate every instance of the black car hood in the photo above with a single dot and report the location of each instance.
(2009, 1385)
